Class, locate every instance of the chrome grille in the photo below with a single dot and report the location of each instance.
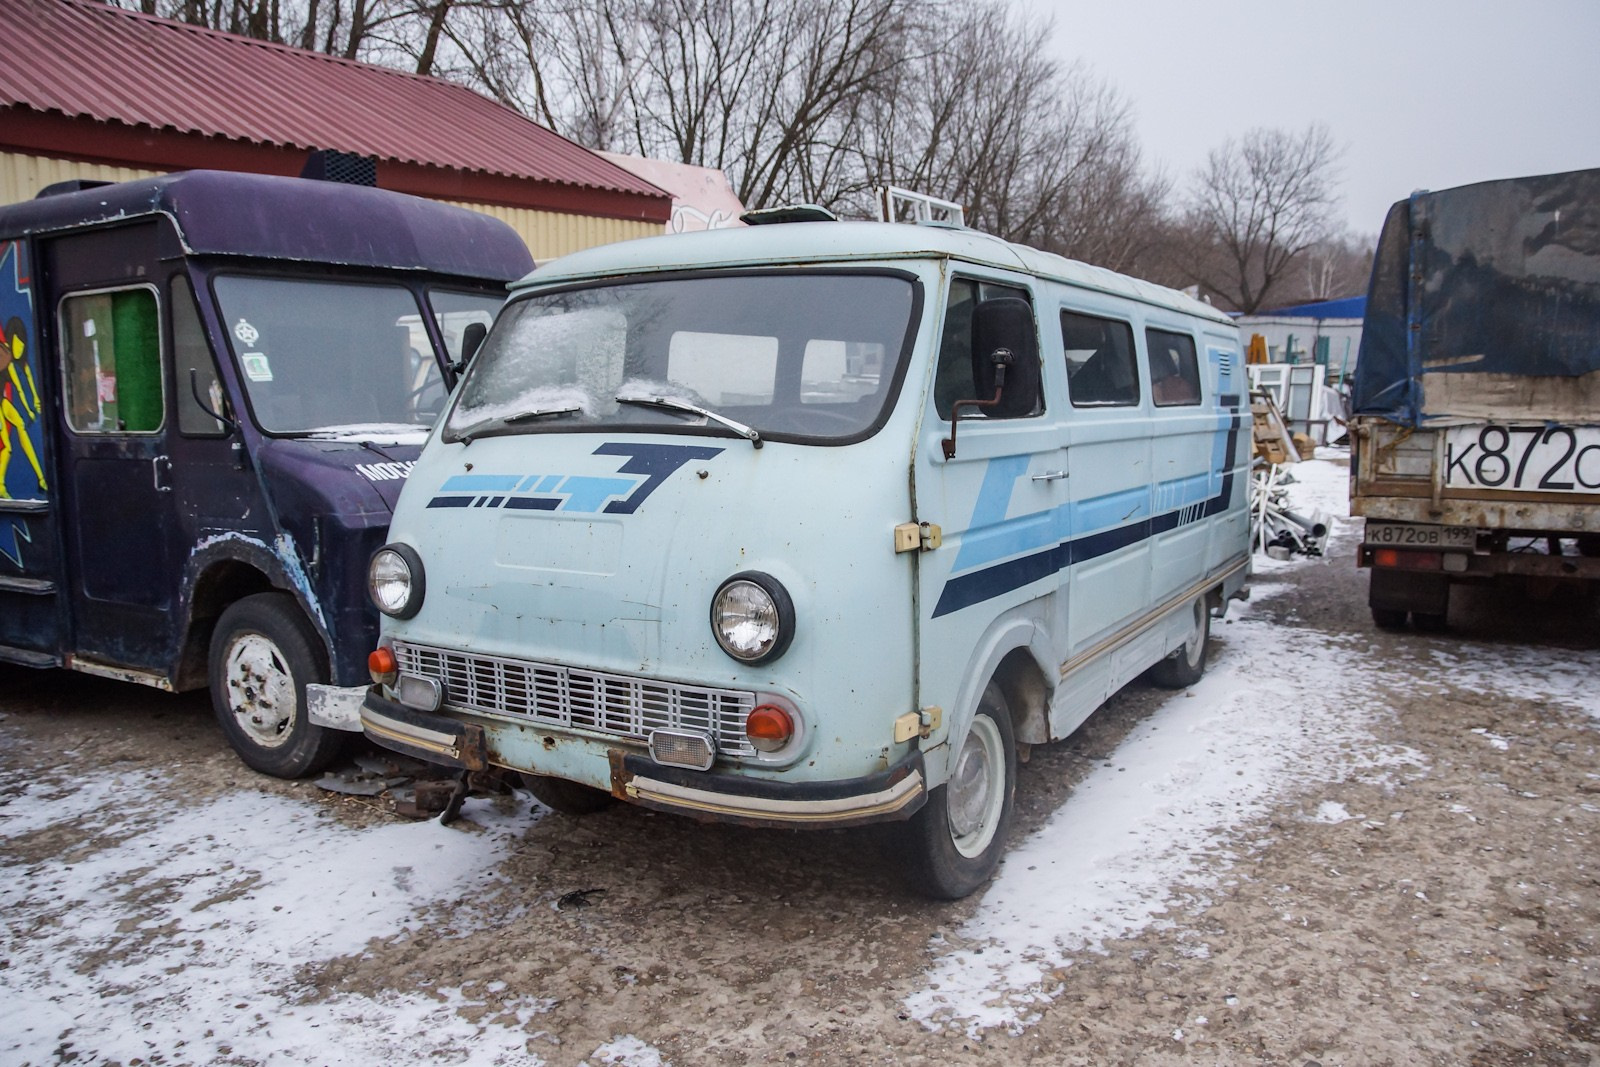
(616, 705)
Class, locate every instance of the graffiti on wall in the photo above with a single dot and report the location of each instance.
(21, 472)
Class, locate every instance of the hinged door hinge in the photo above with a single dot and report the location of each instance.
(917, 536)
(920, 723)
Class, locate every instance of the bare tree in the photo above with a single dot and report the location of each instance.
(980, 113)
(1338, 267)
(1259, 204)
(798, 100)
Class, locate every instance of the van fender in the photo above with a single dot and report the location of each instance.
(278, 567)
(1017, 636)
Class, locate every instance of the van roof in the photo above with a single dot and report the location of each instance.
(271, 217)
(833, 242)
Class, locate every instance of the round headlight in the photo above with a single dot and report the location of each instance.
(394, 580)
(752, 617)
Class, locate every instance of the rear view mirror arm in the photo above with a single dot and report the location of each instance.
(1001, 358)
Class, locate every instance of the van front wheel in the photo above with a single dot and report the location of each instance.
(263, 652)
(956, 840)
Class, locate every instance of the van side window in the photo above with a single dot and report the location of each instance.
(111, 361)
(953, 377)
(1101, 371)
(1174, 368)
(191, 356)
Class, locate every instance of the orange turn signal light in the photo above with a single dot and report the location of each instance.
(382, 665)
(769, 727)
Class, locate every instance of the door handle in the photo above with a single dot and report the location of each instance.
(160, 473)
(1049, 476)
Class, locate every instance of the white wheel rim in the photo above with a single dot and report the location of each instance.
(260, 690)
(976, 792)
(1196, 643)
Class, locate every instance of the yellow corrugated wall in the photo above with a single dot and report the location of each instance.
(547, 233)
(22, 176)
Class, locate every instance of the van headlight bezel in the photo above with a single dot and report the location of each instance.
(395, 580)
(752, 617)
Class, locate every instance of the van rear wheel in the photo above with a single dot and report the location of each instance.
(1184, 666)
(263, 653)
(956, 840)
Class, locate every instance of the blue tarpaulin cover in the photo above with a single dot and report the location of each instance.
(1351, 307)
(1498, 278)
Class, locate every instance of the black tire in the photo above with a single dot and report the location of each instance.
(956, 841)
(568, 798)
(1428, 623)
(1187, 663)
(263, 653)
(1389, 618)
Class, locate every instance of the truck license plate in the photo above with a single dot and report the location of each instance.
(1405, 535)
(1530, 457)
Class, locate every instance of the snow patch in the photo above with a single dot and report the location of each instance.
(238, 894)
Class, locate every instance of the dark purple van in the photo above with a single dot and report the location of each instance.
(214, 385)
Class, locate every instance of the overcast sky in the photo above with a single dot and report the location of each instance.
(1425, 94)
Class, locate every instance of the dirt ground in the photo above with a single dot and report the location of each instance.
(1456, 922)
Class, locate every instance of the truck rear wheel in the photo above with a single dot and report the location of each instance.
(263, 653)
(1389, 618)
(956, 840)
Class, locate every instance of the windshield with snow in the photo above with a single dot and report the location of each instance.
(798, 356)
(320, 356)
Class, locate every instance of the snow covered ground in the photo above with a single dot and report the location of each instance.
(1276, 714)
(237, 899)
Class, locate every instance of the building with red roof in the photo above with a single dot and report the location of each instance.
(92, 91)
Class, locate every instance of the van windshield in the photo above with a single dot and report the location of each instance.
(320, 356)
(809, 356)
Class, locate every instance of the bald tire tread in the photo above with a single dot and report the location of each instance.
(568, 798)
(297, 651)
(934, 866)
(1185, 666)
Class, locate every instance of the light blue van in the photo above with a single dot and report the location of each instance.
(812, 524)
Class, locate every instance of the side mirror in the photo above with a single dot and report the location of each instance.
(1005, 363)
(471, 340)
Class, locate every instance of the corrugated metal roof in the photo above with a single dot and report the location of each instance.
(90, 60)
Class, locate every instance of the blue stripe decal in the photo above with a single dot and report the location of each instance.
(644, 468)
(974, 588)
(479, 483)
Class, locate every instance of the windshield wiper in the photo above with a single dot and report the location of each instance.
(529, 415)
(683, 407)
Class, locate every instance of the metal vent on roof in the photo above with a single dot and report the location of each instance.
(788, 213)
(71, 185)
(347, 168)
